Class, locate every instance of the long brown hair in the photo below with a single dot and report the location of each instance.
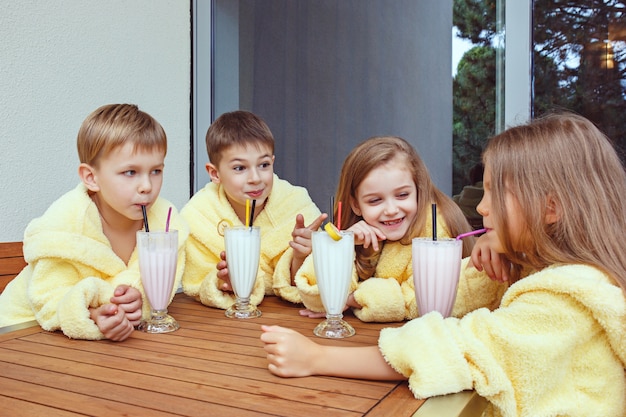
(371, 154)
(564, 160)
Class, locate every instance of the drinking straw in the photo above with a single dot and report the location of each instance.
(339, 215)
(167, 222)
(472, 233)
(332, 209)
(247, 212)
(145, 218)
(252, 212)
(434, 208)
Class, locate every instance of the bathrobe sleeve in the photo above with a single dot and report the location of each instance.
(553, 347)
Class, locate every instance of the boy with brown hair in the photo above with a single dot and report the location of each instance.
(241, 153)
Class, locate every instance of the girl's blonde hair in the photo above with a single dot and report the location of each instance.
(113, 125)
(373, 153)
(561, 162)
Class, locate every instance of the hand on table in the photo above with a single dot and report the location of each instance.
(290, 354)
(112, 322)
(130, 301)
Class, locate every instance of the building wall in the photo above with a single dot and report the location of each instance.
(60, 60)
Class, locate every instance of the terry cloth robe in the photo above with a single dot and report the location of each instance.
(209, 211)
(72, 267)
(555, 346)
(388, 295)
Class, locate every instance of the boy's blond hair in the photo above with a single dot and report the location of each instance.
(113, 125)
(237, 128)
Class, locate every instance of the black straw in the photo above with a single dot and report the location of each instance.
(252, 212)
(145, 218)
(332, 209)
(434, 207)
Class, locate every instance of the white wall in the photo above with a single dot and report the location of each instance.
(60, 60)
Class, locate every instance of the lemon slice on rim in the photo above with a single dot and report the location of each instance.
(332, 231)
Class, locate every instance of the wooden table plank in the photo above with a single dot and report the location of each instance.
(212, 365)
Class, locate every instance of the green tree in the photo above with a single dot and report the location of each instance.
(579, 64)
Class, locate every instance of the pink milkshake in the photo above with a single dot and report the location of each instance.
(158, 255)
(436, 269)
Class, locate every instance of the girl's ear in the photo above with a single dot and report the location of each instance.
(213, 172)
(355, 207)
(554, 211)
(88, 176)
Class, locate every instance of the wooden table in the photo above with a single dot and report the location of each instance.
(211, 366)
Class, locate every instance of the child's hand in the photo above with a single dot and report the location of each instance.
(222, 273)
(367, 235)
(129, 300)
(305, 312)
(112, 322)
(483, 258)
(301, 235)
(290, 354)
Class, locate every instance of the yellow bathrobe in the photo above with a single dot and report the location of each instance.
(72, 267)
(209, 211)
(388, 295)
(555, 346)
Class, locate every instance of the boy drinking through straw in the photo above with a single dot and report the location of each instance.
(82, 275)
(241, 152)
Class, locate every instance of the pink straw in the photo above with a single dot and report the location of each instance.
(472, 233)
(167, 222)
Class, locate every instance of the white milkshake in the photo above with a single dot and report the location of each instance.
(436, 270)
(333, 261)
(158, 255)
(243, 250)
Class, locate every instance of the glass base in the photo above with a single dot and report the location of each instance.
(334, 328)
(160, 322)
(242, 309)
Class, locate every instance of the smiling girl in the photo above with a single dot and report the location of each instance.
(387, 192)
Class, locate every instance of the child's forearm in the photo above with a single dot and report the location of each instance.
(355, 362)
(296, 263)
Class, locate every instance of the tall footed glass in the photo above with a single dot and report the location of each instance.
(158, 255)
(436, 270)
(243, 250)
(333, 261)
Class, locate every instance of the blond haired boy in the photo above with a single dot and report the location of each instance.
(82, 275)
(241, 153)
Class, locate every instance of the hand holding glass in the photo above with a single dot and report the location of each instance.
(158, 255)
(243, 250)
(333, 261)
(436, 269)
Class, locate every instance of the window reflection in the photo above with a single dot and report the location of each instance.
(579, 53)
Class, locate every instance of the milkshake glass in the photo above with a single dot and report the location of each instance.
(333, 261)
(158, 254)
(243, 250)
(436, 269)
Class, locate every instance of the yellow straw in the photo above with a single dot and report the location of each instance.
(247, 212)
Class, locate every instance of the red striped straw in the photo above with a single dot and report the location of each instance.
(339, 215)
